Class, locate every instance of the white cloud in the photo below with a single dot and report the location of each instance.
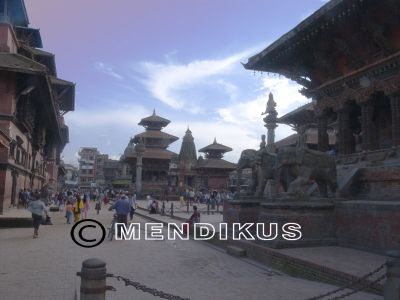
(107, 69)
(248, 113)
(229, 88)
(285, 93)
(166, 81)
(236, 123)
(117, 116)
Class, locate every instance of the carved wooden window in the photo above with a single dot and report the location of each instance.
(12, 149)
(18, 156)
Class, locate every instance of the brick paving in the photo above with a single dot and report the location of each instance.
(45, 268)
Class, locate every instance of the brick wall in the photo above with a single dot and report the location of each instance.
(368, 225)
(379, 183)
(241, 211)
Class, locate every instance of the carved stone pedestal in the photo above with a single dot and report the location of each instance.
(316, 218)
(242, 210)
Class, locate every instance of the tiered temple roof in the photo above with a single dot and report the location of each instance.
(154, 122)
(213, 157)
(155, 141)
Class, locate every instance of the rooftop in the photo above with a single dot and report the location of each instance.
(154, 122)
(216, 147)
(215, 163)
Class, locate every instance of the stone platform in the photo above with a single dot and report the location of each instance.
(16, 218)
(368, 225)
(331, 264)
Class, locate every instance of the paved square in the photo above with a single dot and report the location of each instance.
(45, 268)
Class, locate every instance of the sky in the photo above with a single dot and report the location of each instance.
(180, 57)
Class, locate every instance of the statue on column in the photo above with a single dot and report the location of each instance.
(270, 120)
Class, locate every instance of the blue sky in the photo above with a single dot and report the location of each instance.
(180, 57)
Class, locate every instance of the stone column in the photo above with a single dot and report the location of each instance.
(367, 111)
(395, 106)
(124, 170)
(345, 134)
(139, 149)
(323, 138)
(270, 122)
(139, 176)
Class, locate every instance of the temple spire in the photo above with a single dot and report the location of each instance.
(188, 148)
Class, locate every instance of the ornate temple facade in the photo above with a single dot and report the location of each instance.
(304, 117)
(346, 56)
(353, 79)
(155, 158)
(33, 103)
(167, 174)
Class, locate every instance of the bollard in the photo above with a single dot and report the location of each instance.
(163, 208)
(391, 288)
(172, 209)
(187, 206)
(93, 279)
(208, 208)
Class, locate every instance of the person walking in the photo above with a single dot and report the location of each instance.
(78, 208)
(98, 205)
(86, 206)
(69, 212)
(37, 208)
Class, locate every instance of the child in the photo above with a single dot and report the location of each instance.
(69, 212)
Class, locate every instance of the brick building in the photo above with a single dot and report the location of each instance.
(33, 102)
(88, 167)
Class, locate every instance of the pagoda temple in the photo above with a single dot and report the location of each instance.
(154, 154)
(346, 56)
(33, 103)
(213, 171)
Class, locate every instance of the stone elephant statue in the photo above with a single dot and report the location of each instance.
(262, 165)
(298, 169)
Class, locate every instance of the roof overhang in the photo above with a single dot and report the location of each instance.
(29, 36)
(20, 64)
(340, 37)
(64, 92)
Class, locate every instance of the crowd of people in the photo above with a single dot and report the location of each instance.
(76, 204)
(212, 197)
